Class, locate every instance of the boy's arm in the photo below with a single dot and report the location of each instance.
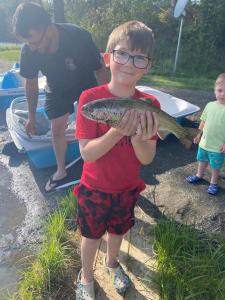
(93, 149)
(144, 141)
(145, 151)
(199, 135)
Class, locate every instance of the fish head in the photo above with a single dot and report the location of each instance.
(101, 111)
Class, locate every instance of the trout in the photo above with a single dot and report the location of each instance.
(111, 110)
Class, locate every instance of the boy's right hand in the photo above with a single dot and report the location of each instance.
(197, 138)
(129, 123)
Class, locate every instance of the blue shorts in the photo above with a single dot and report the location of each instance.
(215, 159)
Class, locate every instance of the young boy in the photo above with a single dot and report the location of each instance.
(212, 138)
(110, 183)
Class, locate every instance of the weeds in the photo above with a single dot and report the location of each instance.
(190, 264)
(44, 278)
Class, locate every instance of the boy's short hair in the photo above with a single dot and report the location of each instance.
(29, 16)
(137, 34)
(220, 79)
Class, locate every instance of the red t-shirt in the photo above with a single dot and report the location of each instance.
(118, 170)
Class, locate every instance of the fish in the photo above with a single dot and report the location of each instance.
(111, 110)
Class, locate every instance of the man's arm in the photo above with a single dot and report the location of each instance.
(31, 90)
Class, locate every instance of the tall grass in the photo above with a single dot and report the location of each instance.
(190, 264)
(44, 278)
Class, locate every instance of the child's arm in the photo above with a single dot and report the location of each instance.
(93, 149)
(199, 135)
(145, 148)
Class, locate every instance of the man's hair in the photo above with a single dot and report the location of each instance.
(136, 34)
(220, 79)
(29, 16)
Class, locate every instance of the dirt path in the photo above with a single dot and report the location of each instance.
(137, 259)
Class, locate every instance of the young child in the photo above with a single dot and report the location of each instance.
(212, 138)
(110, 183)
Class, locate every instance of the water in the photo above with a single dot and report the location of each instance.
(12, 214)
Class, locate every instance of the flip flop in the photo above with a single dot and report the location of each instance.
(213, 189)
(193, 179)
(53, 183)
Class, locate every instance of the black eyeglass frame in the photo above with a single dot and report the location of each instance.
(130, 56)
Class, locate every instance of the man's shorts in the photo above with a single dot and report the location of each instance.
(58, 106)
(215, 159)
(99, 212)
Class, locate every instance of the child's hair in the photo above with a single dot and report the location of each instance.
(29, 16)
(137, 34)
(220, 79)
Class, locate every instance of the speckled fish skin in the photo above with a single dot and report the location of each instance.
(111, 110)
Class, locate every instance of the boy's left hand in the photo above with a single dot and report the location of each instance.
(147, 127)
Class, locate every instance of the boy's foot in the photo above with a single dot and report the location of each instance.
(213, 189)
(193, 179)
(84, 291)
(119, 278)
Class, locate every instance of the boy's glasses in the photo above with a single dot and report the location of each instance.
(139, 61)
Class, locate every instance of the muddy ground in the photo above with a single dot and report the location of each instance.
(166, 193)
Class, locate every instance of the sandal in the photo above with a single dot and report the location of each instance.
(193, 179)
(119, 278)
(213, 189)
(52, 184)
(84, 291)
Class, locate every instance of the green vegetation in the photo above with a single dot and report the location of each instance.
(10, 53)
(46, 276)
(190, 264)
(179, 82)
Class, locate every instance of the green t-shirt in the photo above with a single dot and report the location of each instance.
(213, 136)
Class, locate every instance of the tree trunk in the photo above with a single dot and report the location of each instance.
(58, 8)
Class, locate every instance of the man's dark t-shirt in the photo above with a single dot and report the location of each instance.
(69, 70)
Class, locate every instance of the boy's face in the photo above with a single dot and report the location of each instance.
(220, 92)
(126, 66)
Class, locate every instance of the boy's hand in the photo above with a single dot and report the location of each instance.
(197, 138)
(222, 148)
(147, 127)
(129, 123)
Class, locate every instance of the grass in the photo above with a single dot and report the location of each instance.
(197, 83)
(46, 275)
(10, 53)
(190, 264)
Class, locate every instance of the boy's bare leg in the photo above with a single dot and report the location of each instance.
(88, 251)
(113, 247)
(59, 126)
(202, 165)
(215, 176)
